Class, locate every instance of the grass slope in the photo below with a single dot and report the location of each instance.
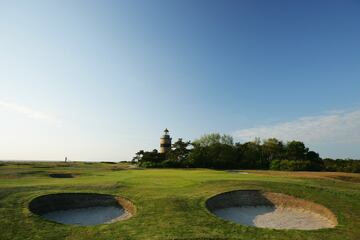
(170, 203)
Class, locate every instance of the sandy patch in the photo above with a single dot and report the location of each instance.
(61, 175)
(276, 218)
(82, 208)
(270, 210)
(86, 216)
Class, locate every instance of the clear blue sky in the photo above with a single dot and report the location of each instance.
(99, 80)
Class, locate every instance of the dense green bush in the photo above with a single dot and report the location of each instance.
(340, 165)
(290, 165)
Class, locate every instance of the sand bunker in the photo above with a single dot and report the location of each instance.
(82, 208)
(270, 210)
(61, 175)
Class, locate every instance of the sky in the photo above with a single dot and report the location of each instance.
(100, 80)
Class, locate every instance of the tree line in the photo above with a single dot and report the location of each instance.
(218, 151)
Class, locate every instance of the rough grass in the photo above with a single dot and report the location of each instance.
(170, 203)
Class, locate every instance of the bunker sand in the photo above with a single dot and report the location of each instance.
(270, 210)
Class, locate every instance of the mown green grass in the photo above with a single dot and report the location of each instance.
(170, 203)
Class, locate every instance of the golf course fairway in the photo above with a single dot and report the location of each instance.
(169, 203)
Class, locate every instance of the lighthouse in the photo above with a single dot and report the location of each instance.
(165, 142)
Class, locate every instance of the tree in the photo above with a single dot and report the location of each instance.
(199, 157)
(296, 150)
(312, 156)
(179, 151)
(151, 159)
(226, 158)
(138, 156)
(214, 138)
(227, 140)
(251, 155)
(316, 163)
(273, 148)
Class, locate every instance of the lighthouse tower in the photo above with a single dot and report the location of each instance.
(165, 142)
